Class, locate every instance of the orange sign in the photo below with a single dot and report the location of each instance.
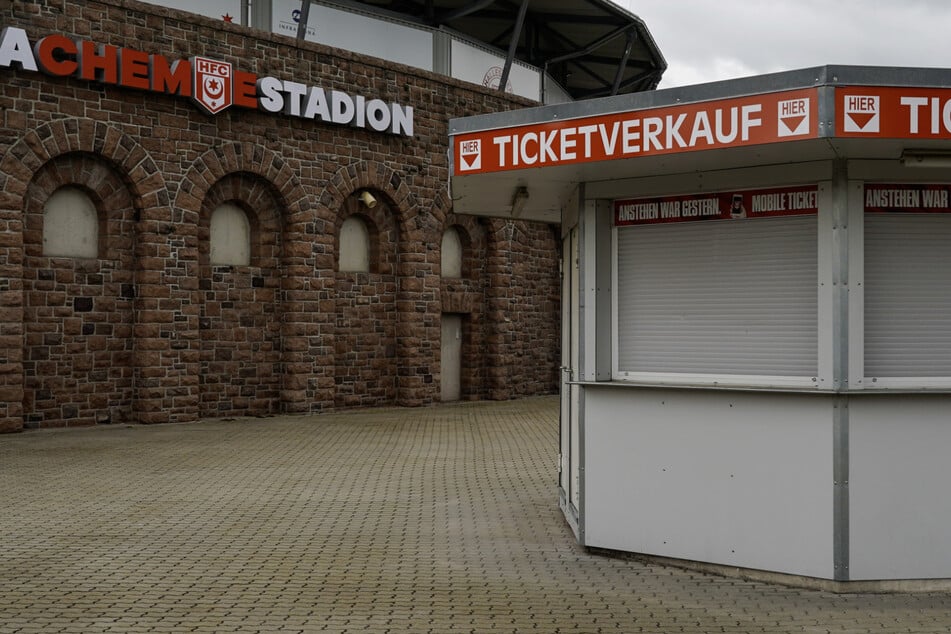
(893, 113)
(737, 122)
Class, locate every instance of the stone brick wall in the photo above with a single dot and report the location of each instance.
(465, 296)
(240, 320)
(150, 331)
(77, 313)
(366, 366)
(520, 265)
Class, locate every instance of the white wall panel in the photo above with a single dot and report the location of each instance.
(474, 64)
(735, 478)
(357, 32)
(898, 486)
(211, 8)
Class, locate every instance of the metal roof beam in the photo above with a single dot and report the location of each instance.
(569, 42)
(567, 18)
(569, 58)
(507, 33)
(604, 60)
(627, 83)
(463, 11)
(555, 35)
(302, 20)
(513, 44)
(593, 46)
(631, 38)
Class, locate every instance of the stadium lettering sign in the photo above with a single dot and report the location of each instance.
(213, 85)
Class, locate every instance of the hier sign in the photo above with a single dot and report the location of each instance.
(904, 112)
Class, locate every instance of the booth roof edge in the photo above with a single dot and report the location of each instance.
(813, 77)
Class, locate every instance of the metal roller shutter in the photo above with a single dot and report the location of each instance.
(907, 295)
(724, 297)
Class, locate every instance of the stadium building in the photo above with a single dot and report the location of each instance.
(230, 215)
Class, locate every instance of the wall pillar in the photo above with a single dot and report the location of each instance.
(500, 303)
(11, 316)
(308, 310)
(418, 328)
(168, 305)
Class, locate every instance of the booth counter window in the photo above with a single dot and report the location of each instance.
(718, 289)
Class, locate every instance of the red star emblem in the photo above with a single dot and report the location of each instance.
(228, 18)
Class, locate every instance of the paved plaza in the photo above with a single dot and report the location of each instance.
(441, 519)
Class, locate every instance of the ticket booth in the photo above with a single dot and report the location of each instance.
(756, 359)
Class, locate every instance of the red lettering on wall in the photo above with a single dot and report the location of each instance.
(173, 80)
(245, 90)
(134, 69)
(56, 55)
(99, 63)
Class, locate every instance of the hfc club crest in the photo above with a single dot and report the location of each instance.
(211, 84)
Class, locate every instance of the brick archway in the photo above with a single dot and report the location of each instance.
(64, 136)
(372, 175)
(464, 298)
(134, 170)
(416, 280)
(251, 173)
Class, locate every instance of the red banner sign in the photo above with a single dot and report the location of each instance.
(754, 120)
(893, 113)
(907, 198)
(732, 205)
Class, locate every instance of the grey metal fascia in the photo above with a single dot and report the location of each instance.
(814, 77)
(836, 75)
(791, 80)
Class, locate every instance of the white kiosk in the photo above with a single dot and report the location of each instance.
(756, 315)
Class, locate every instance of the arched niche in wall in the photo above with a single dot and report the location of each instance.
(451, 253)
(229, 236)
(354, 249)
(70, 224)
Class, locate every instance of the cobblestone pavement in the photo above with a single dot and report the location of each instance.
(441, 519)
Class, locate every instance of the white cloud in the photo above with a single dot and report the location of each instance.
(704, 40)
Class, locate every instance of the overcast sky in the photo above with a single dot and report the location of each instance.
(708, 40)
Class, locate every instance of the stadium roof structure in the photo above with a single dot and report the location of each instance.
(593, 48)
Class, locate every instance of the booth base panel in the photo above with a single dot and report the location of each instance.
(779, 578)
(899, 477)
(745, 480)
(570, 512)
